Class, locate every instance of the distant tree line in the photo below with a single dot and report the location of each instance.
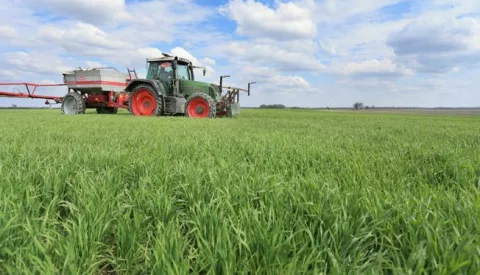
(359, 105)
(273, 106)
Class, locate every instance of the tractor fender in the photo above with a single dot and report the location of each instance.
(159, 89)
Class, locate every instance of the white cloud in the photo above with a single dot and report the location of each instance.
(208, 61)
(371, 68)
(91, 11)
(87, 40)
(437, 44)
(82, 38)
(125, 41)
(147, 52)
(7, 32)
(334, 11)
(181, 52)
(269, 76)
(163, 21)
(436, 35)
(289, 20)
(270, 55)
(35, 62)
(328, 46)
(95, 64)
(290, 81)
(362, 41)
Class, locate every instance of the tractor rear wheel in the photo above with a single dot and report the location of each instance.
(107, 110)
(73, 104)
(200, 105)
(144, 101)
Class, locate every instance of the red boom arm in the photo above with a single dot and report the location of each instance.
(31, 89)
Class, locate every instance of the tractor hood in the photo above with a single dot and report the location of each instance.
(194, 83)
(189, 87)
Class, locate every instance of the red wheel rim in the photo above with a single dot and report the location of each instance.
(198, 107)
(144, 103)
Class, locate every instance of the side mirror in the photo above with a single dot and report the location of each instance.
(204, 71)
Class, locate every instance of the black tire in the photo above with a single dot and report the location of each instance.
(73, 104)
(192, 99)
(146, 88)
(107, 110)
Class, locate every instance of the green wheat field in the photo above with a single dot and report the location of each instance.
(269, 192)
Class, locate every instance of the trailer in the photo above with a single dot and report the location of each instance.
(99, 88)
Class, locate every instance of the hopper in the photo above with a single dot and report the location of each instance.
(96, 80)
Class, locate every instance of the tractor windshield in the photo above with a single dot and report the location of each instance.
(184, 72)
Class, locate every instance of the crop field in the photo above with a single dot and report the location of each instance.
(270, 192)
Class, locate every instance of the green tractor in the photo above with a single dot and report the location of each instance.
(170, 88)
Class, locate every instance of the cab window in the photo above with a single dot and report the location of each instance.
(165, 71)
(183, 72)
(152, 70)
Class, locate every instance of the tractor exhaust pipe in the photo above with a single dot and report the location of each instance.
(221, 82)
(248, 92)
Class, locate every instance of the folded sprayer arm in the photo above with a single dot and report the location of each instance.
(30, 88)
(233, 92)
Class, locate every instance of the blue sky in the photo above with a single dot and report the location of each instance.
(301, 53)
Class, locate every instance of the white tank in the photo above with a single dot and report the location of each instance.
(96, 80)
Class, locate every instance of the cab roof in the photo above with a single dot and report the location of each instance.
(167, 57)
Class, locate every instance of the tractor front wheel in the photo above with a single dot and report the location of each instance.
(73, 104)
(200, 105)
(144, 101)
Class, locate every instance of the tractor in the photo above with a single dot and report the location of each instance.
(169, 89)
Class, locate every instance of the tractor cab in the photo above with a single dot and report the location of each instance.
(169, 68)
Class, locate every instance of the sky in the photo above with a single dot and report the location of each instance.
(305, 53)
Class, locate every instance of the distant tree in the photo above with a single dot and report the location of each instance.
(358, 105)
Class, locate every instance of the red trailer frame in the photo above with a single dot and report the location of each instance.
(31, 89)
